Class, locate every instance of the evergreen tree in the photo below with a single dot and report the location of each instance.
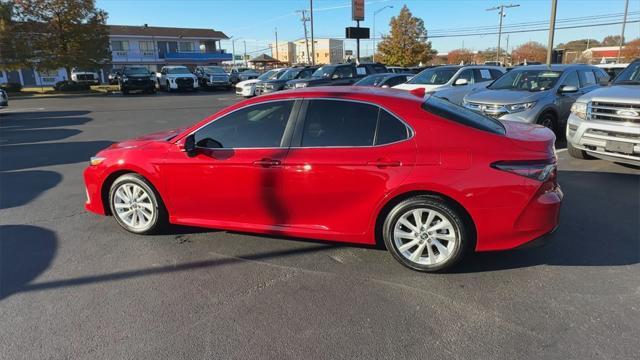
(406, 45)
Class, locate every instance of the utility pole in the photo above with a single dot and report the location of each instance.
(501, 14)
(245, 53)
(277, 58)
(375, 47)
(313, 43)
(624, 22)
(506, 49)
(304, 18)
(552, 29)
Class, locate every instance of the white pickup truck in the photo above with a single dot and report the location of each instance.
(85, 76)
(176, 78)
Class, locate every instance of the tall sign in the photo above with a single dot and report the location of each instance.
(357, 10)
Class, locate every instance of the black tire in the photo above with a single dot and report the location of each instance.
(550, 121)
(125, 92)
(574, 152)
(159, 219)
(459, 226)
(168, 87)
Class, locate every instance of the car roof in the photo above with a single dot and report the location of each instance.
(554, 67)
(174, 66)
(338, 92)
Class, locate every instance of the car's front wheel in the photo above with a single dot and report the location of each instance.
(425, 233)
(136, 206)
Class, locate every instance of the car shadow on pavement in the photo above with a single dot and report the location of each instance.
(27, 156)
(599, 226)
(33, 127)
(30, 183)
(26, 251)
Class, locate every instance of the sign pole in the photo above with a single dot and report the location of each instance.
(358, 44)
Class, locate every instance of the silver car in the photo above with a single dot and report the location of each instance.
(537, 94)
(453, 82)
(606, 123)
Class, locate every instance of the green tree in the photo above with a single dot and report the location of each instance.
(14, 45)
(406, 45)
(64, 33)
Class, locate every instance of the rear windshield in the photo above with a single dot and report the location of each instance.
(453, 112)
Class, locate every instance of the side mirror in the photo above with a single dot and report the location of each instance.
(190, 145)
(461, 82)
(567, 89)
(335, 76)
(604, 81)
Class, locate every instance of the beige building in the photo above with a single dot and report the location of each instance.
(285, 51)
(328, 51)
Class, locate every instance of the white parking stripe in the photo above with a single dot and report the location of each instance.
(13, 110)
(561, 150)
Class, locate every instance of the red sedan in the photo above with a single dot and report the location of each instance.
(359, 165)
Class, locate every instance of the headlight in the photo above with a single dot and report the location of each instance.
(301, 85)
(96, 160)
(579, 109)
(519, 107)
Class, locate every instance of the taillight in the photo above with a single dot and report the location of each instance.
(541, 170)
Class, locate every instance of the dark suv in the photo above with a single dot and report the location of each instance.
(137, 78)
(337, 74)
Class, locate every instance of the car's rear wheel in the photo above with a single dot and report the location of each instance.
(136, 206)
(425, 233)
(549, 120)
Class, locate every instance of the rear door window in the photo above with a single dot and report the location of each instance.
(482, 75)
(339, 123)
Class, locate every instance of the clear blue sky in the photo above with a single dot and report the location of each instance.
(254, 20)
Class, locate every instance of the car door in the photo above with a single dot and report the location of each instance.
(345, 156)
(343, 75)
(565, 100)
(234, 177)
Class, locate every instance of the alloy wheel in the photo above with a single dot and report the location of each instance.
(425, 236)
(133, 206)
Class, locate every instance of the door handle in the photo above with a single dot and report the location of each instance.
(266, 162)
(384, 163)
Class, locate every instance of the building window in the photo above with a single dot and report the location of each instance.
(119, 45)
(147, 48)
(185, 46)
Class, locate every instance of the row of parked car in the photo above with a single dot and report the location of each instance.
(600, 116)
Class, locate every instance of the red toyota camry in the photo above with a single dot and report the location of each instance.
(429, 178)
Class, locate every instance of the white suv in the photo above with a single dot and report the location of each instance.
(176, 78)
(605, 123)
(453, 82)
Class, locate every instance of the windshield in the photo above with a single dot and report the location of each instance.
(434, 76)
(214, 70)
(527, 80)
(453, 112)
(290, 74)
(136, 71)
(324, 71)
(371, 80)
(179, 70)
(271, 75)
(630, 75)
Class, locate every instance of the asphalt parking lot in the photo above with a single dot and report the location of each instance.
(74, 285)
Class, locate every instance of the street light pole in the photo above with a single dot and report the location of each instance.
(552, 29)
(375, 47)
(313, 43)
(245, 53)
(501, 13)
(624, 22)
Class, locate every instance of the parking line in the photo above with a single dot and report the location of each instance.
(561, 150)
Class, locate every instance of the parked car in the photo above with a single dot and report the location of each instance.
(176, 78)
(273, 85)
(137, 78)
(248, 74)
(605, 123)
(213, 77)
(4, 99)
(480, 79)
(337, 74)
(399, 70)
(85, 76)
(446, 77)
(114, 75)
(537, 94)
(350, 164)
(613, 69)
(234, 74)
(247, 88)
(384, 80)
